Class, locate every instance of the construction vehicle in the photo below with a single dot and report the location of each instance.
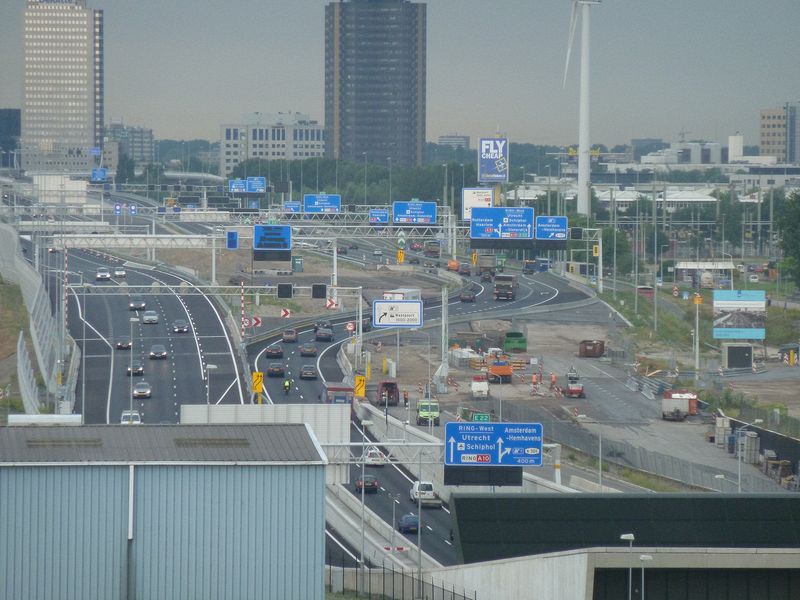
(528, 267)
(505, 287)
(452, 265)
(499, 371)
(676, 405)
(432, 248)
(487, 263)
(574, 387)
(514, 341)
(387, 393)
(427, 411)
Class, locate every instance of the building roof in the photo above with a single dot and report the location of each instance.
(273, 443)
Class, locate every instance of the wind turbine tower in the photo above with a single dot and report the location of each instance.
(584, 158)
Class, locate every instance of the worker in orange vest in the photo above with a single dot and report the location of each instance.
(535, 379)
(552, 380)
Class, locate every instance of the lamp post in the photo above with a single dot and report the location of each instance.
(83, 352)
(720, 477)
(630, 538)
(643, 558)
(365, 178)
(364, 425)
(132, 321)
(548, 188)
(395, 498)
(462, 177)
(209, 368)
(739, 451)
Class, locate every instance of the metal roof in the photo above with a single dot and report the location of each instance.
(272, 443)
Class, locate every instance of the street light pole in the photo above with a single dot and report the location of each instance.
(643, 558)
(630, 538)
(739, 451)
(364, 425)
(395, 498)
(83, 352)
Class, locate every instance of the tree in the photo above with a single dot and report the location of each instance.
(125, 169)
(788, 224)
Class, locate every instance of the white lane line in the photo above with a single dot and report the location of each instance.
(225, 392)
(398, 469)
(342, 546)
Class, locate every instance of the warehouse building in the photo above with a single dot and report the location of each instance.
(163, 511)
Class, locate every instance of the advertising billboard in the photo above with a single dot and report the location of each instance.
(501, 223)
(740, 314)
(551, 228)
(493, 160)
(475, 198)
(322, 203)
(413, 213)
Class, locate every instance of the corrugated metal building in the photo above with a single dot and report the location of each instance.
(150, 512)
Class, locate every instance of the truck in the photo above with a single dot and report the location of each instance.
(452, 265)
(479, 387)
(505, 287)
(574, 387)
(676, 405)
(403, 294)
(487, 263)
(529, 267)
(499, 371)
(387, 393)
(427, 412)
(432, 248)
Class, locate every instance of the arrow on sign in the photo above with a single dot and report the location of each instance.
(452, 441)
(331, 303)
(256, 321)
(285, 313)
(500, 453)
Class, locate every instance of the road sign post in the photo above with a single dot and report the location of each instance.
(397, 313)
(360, 386)
(258, 384)
(493, 444)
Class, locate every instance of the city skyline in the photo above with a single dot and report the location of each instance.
(657, 70)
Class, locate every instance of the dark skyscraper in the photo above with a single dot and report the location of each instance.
(375, 80)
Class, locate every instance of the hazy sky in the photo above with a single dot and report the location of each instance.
(659, 66)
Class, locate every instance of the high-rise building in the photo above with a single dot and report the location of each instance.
(773, 133)
(289, 136)
(375, 69)
(9, 136)
(134, 142)
(454, 141)
(62, 112)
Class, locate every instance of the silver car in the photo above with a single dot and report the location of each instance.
(150, 317)
(142, 390)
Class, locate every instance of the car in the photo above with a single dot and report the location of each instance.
(322, 325)
(274, 351)
(102, 274)
(352, 246)
(289, 335)
(369, 483)
(374, 457)
(414, 260)
(142, 390)
(308, 350)
(136, 304)
(753, 278)
(308, 372)
(120, 272)
(180, 326)
(408, 523)
(465, 269)
(158, 351)
(136, 366)
(130, 417)
(486, 276)
(324, 335)
(275, 370)
(52, 250)
(150, 317)
(341, 250)
(416, 246)
(123, 343)
(424, 493)
(429, 264)
(377, 253)
(467, 296)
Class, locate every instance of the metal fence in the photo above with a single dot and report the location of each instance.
(26, 378)
(780, 422)
(387, 582)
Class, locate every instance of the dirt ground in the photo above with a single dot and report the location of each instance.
(776, 392)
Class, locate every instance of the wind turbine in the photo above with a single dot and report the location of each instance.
(584, 159)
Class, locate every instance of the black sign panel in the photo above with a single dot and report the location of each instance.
(511, 476)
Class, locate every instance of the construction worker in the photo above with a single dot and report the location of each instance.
(535, 379)
(405, 398)
(552, 380)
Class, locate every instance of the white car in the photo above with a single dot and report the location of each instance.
(102, 274)
(150, 317)
(753, 278)
(374, 457)
(120, 272)
(377, 253)
(423, 492)
(130, 417)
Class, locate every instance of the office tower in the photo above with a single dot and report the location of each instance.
(134, 142)
(62, 111)
(773, 133)
(375, 81)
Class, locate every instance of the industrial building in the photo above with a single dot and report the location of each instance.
(162, 511)
(63, 90)
(375, 88)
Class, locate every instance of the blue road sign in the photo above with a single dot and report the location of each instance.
(237, 186)
(117, 209)
(501, 223)
(176, 209)
(414, 212)
(493, 444)
(256, 185)
(322, 203)
(685, 295)
(95, 151)
(551, 228)
(161, 210)
(133, 209)
(272, 237)
(252, 204)
(99, 174)
(291, 206)
(378, 216)
(232, 240)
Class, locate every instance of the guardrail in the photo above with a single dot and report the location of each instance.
(26, 378)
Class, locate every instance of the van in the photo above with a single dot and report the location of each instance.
(388, 392)
(427, 411)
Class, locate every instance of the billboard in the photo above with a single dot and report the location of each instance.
(501, 223)
(378, 216)
(414, 213)
(551, 228)
(740, 314)
(322, 203)
(493, 160)
(475, 198)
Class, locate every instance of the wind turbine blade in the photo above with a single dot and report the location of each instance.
(573, 19)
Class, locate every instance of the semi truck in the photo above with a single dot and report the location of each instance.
(505, 287)
(676, 405)
(432, 248)
(403, 294)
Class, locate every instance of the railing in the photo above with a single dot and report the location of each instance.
(26, 378)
